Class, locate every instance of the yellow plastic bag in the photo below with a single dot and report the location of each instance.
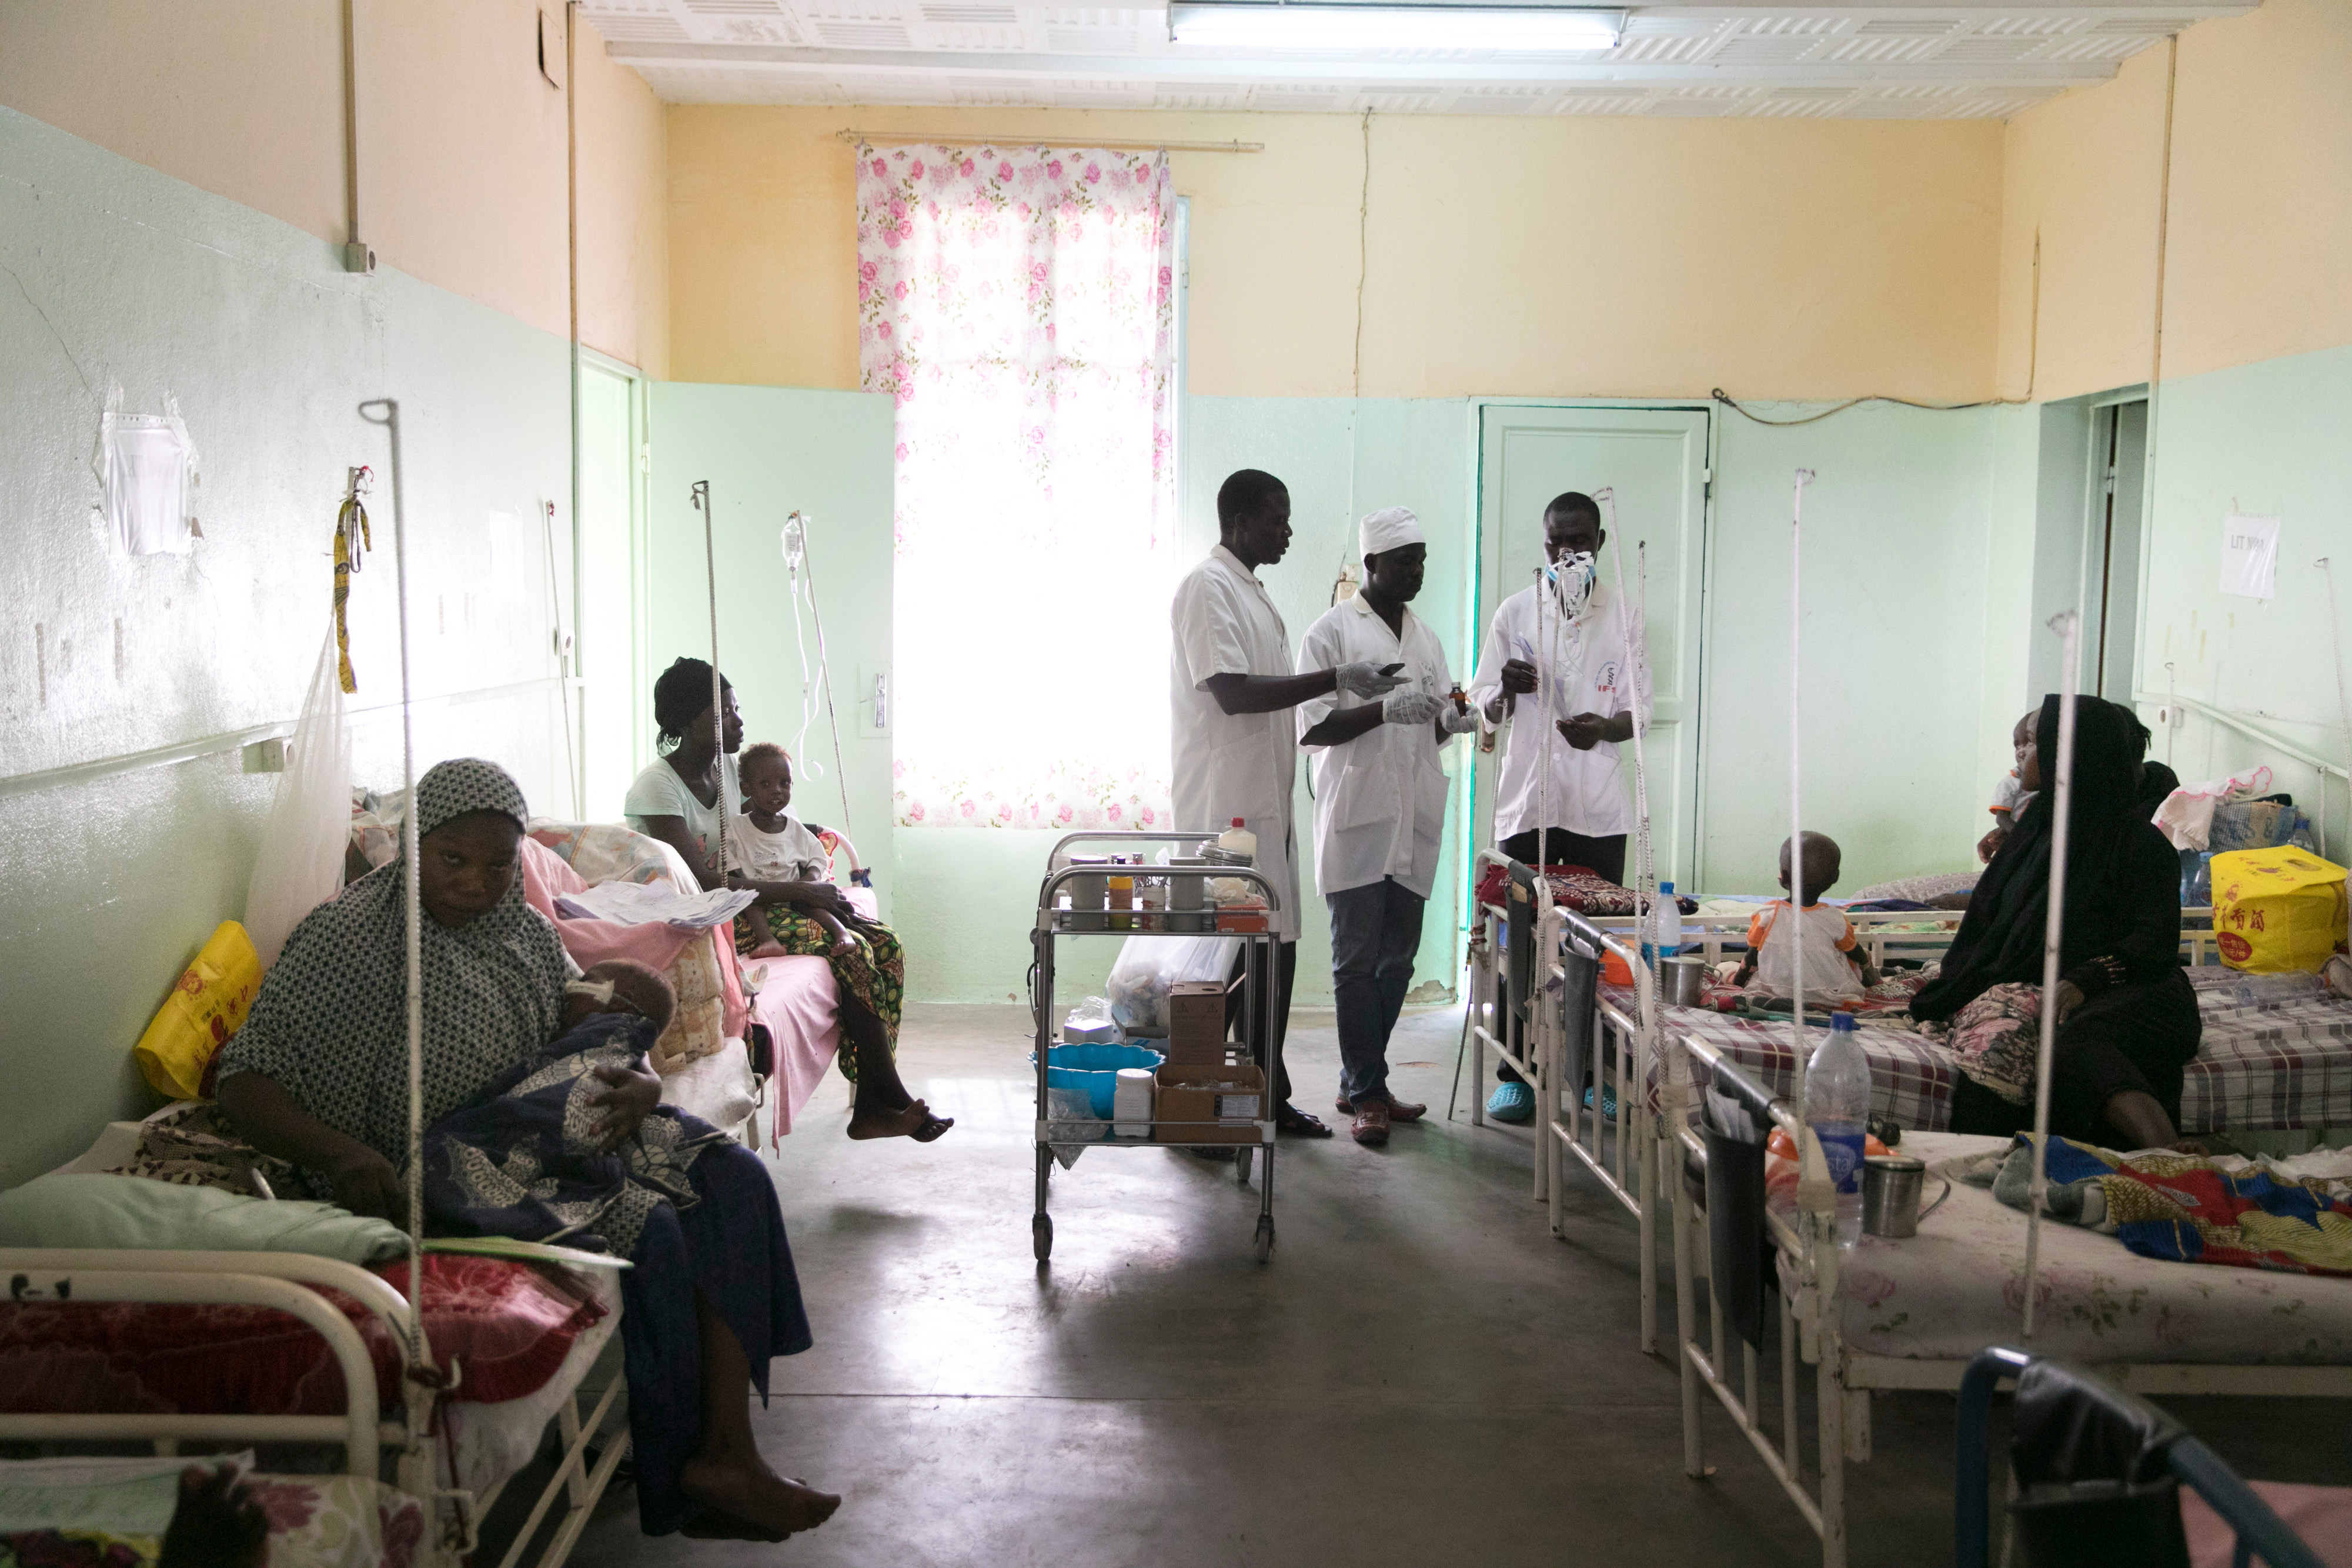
(2276, 910)
(206, 1006)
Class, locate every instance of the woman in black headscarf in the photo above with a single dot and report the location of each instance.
(2127, 1023)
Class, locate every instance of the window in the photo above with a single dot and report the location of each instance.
(1019, 304)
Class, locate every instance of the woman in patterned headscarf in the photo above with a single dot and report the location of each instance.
(319, 1075)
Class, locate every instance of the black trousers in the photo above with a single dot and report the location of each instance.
(1286, 970)
(1605, 858)
(2133, 1037)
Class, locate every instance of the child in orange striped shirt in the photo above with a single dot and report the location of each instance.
(1823, 942)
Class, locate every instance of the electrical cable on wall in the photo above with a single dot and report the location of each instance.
(1727, 401)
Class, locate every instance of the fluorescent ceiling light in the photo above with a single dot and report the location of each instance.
(1340, 27)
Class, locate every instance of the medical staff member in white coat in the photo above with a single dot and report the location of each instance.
(1575, 811)
(1230, 683)
(1380, 806)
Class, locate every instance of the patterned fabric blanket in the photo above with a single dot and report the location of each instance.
(1574, 887)
(509, 1323)
(522, 1161)
(2187, 1209)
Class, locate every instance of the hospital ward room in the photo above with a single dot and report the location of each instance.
(1292, 783)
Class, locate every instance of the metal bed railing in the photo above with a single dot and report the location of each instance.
(291, 1283)
(1811, 1328)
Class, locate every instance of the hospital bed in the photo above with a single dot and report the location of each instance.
(1911, 1314)
(273, 1336)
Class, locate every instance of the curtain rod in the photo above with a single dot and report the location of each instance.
(901, 138)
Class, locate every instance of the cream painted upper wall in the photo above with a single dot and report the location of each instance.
(1570, 256)
(2261, 213)
(462, 177)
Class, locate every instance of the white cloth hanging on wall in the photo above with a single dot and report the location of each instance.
(146, 463)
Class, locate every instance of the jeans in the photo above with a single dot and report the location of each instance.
(1375, 931)
(1605, 858)
(1285, 969)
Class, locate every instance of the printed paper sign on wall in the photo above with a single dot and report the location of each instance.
(2249, 556)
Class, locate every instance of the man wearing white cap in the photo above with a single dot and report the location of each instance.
(1380, 806)
(1235, 753)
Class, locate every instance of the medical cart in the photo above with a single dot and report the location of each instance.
(1057, 923)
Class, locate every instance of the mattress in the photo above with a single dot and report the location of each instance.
(1958, 1286)
(2257, 1069)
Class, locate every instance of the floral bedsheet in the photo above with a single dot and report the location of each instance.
(1959, 1286)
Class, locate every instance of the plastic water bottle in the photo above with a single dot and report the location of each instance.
(1665, 931)
(1240, 841)
(2200, 886)
(1837, 1109)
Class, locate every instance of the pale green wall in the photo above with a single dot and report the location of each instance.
(2266, 439)
(768, 452)
(120, 274)
(1895, 538)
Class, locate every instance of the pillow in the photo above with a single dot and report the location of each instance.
(124, 1211)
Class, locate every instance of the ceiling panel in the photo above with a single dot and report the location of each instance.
(1886, 60)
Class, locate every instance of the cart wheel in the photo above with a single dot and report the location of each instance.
(1243, 1158)
(1263, 1246)
(1041, 1236)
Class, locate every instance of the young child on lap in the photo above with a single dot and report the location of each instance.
(766, 844)
(2010, 798)
(1821, 944)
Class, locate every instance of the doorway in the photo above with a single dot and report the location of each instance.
(1657, 461)
(615, 686)
(2112, 548)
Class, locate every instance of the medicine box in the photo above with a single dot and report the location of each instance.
(1196, 1021)
(1209, 1102)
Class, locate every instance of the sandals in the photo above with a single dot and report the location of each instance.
(1298, 1124)
(1607, 1101)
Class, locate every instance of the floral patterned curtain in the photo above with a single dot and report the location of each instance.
(1019, 303)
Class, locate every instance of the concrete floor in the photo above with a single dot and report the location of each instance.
(1423, 1374)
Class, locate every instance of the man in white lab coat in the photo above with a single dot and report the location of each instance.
(1573, 630)
(1380, 806)
(1231, 681)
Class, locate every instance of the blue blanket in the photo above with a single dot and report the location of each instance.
(521, 1161)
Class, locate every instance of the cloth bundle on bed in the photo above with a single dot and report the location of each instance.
(1577, 888)
(112, 1513)
(2185, 1207)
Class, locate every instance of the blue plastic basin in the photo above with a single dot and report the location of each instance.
(1093, 1070)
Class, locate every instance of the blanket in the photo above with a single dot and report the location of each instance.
(118, 1211)
(521, 1161)
(2189, 1209)
(1574, 887)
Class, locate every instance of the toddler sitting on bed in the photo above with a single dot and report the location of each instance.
(2010, 798)
(1821, 944)
(765, 844)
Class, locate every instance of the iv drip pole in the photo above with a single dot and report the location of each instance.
(699, 494)
(2069, 628)
(1796, 798)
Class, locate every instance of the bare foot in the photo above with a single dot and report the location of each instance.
(748, 1494)
(2191, 1146)
(906, 1122)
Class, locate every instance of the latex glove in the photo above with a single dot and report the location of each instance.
(1458, 721)
(1365, 679)
(1411, 706)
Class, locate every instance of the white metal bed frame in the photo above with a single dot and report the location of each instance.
(1630, 1165)
(290, 1283)
(1811, 1325)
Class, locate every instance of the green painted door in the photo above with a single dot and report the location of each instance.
(1656, 462)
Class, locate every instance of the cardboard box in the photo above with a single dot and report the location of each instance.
(1208, 1103)
(1196, 1021)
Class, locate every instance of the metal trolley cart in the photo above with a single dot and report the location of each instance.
(1200, 914)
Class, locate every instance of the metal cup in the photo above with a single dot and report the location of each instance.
(1681, 980)
(1891, 1185)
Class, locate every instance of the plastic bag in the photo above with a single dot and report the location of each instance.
(2276, 910)
(207, 1005)
(1090, 1023)
(301, 865)
(1148, 966)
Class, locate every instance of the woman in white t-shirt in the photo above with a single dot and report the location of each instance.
(681, 799)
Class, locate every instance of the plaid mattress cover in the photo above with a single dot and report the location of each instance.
(2257, 1069)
